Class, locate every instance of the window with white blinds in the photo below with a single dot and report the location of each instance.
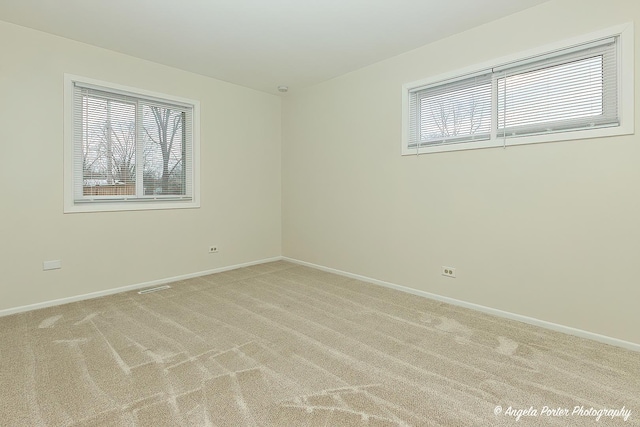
(571, 92)
(129, 149)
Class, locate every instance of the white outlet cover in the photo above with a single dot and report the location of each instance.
(52, 265)
(448, 271)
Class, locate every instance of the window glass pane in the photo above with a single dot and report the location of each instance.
(456, 114)
(558, 93)
(108, 147)
(164, 151)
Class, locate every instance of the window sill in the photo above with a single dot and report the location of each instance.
(522, 140)
(128, 206)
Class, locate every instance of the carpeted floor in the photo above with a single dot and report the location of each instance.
(284, 345)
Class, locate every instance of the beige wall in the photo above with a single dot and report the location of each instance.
(240, 178)
(549, 231)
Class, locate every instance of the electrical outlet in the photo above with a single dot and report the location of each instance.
(52, 265)
(448, 271)
(213, 249)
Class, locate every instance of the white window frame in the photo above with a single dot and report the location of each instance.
(625, 58)
(70, 205)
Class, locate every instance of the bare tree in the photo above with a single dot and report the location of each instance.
(167, 135)
(452, 119)
(123, 151)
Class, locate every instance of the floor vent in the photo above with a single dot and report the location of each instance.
(159, 288)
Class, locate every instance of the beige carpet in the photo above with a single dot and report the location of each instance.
(283, 345)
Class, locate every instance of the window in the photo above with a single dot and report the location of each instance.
(577, 90)
(128, 149)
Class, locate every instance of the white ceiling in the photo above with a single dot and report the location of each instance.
(259, 43)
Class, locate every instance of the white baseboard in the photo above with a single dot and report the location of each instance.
(500, 313)
(493, 311)
(112, 291)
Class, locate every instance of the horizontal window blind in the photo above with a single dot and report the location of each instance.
(568, 90)
(128, 147)
(451, 112)
(582, 88)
